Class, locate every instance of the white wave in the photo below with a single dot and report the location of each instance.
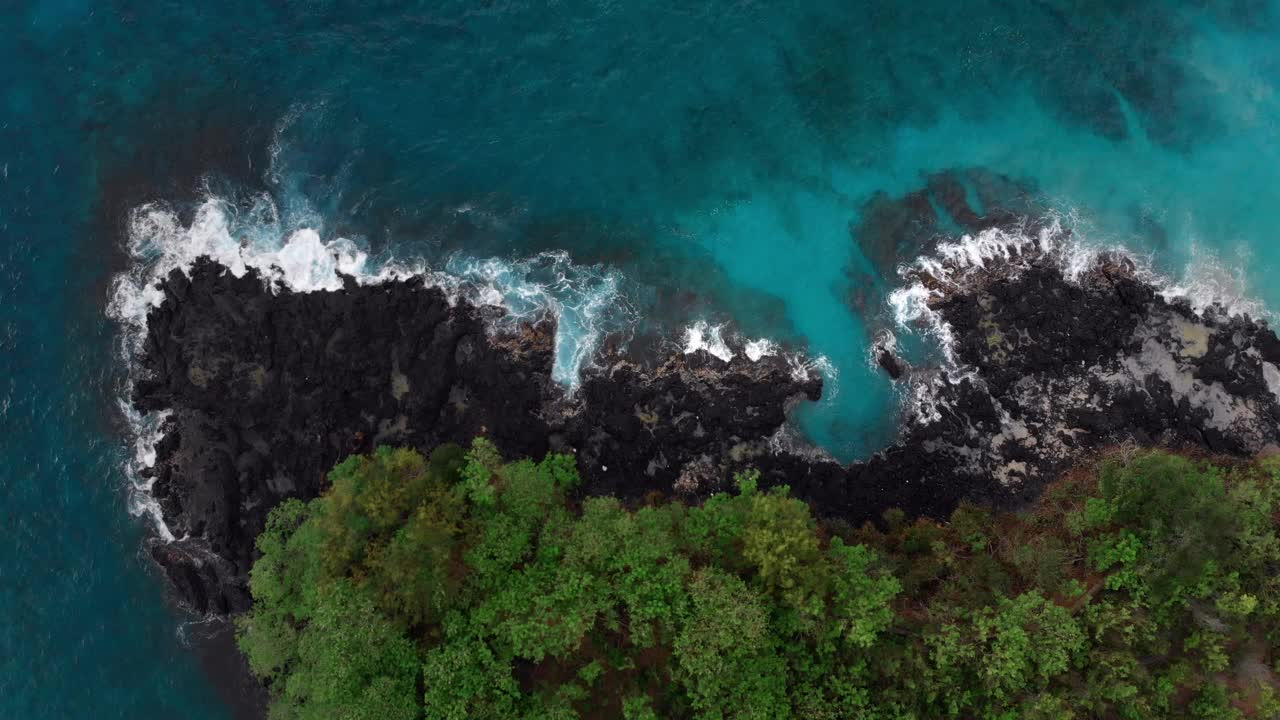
(1206, 281)
(709, 338)
(1005, 250)
(951, 262)
(760, 348)
(586, 301)
(805, 368)
(884, 341)
(160, 243)
(719, 343)
(276, 148)
(147, 432)
(910, 306)
(581, 298)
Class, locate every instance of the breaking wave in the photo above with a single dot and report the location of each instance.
(716, 341)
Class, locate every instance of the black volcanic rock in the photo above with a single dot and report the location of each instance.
(675, 425)
(1049, 366)
(268, 390)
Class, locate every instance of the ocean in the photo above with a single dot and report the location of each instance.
(687, 169)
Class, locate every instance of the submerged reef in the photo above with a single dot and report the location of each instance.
(1046, 358)
(892, 230)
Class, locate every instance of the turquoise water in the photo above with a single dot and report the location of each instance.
(698, 160)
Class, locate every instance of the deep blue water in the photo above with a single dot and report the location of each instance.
(708, 157)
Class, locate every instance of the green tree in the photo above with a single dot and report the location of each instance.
(726, 656)
(465, 586)
(352, 663)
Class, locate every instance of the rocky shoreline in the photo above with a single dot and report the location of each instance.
(268, 388)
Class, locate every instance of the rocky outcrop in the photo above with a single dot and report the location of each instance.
(268, 389)
(1049, 364)
(676, 426)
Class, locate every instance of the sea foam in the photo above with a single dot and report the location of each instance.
(717, 341)
(708, 338)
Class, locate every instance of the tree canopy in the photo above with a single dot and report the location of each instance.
(464, 586)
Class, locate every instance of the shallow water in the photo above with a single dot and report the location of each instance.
(696, 160)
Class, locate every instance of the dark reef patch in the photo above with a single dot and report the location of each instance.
(1123, 60)
(892, 230)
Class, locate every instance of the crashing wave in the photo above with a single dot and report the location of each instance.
(762, 347)
(702, 336)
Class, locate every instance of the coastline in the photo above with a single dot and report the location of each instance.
(1046, 357)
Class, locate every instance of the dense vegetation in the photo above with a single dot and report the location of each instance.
(461, 586)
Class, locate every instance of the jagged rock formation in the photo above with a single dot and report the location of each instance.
(1048, 366)
(269, 389)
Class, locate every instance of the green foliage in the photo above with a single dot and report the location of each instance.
(390, 523)
(781, 543)
(725, 652)
(1026, 642)
(465, 678)
(860, 597)
(465, 586)
(352, 663)
(1177, 507)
